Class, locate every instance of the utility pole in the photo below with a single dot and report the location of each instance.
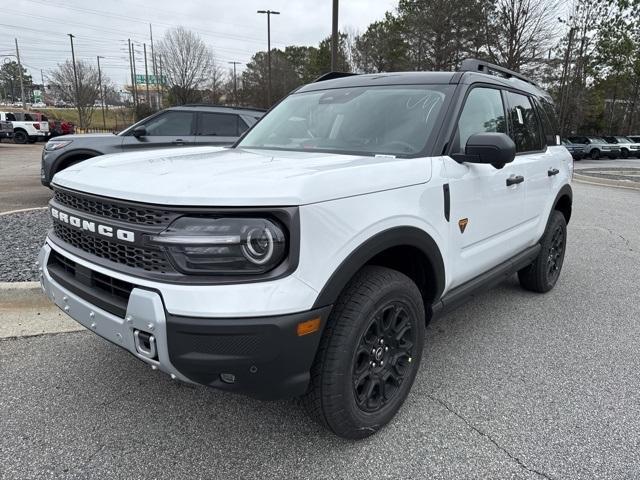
(75, 76)
(334, 38)
(269, 13)
(235, 89)
(135, 75)
(161, 81)
(133, 95)
(104, 119)
(146, 74)
(24, 104)
(564, 83)
(153, 65)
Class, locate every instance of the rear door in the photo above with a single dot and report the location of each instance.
(487, 210)
(534, 151)
(172, 128)
(219, 128)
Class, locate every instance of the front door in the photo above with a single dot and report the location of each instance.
(487, 220)
(172, 128)
(219, 128)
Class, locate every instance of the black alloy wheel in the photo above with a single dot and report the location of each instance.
(383, 358)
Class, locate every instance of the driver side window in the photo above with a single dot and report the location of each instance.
(483, 112)
(170, 124)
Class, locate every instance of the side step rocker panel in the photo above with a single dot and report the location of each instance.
(465, 292)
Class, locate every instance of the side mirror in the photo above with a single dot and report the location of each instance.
(492, 148)
(139, 131)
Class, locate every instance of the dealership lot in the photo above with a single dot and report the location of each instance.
(513, 385)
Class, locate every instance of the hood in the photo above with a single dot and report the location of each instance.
(215, 176)
(88, 137)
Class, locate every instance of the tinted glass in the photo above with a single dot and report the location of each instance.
(11, 117)
(525, 129)
(170, 124)
(392, 120)
(218, 124)
(242, 126)
(547, 113)
(483, 112)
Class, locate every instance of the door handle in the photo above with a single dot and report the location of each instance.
(514, 180)
(553, 171)
(179, 141)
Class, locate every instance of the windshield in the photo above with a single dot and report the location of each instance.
(389, 120)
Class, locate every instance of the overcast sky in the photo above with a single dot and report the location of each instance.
(231, 27)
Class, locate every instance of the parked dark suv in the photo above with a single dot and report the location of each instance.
(187, 125)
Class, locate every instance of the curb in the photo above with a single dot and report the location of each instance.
(19, 285)
(604, 182)
(22, 210)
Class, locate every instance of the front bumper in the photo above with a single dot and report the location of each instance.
(262, 357)
(6, 134)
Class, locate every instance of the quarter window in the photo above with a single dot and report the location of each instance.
(482, 112)
(170, 124)
(525, 129)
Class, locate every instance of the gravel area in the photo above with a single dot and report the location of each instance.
(22, 236)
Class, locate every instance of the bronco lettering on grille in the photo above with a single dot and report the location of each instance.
(103, 230)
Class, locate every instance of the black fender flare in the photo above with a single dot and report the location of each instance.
(72, 153)
(393, 237)
(565, 191)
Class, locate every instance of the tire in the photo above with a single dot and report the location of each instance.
(624, 153)
(594, 154)
(20, 137)
(542, 275)
(378, 318)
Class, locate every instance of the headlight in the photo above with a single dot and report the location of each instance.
(224, 246)
(56, 145)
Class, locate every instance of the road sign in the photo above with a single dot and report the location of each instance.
(153, 80)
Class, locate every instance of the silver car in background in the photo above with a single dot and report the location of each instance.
(628, 147)
(596, 147)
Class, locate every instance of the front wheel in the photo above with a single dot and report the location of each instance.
(369, 354)
(595, 154)
(542, 275)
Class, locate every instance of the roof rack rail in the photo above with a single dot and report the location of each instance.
(475, 65)
(332, 75)
(222, 106)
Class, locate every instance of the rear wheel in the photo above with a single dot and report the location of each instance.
(369, 354)
(21, 137)
(542, 275)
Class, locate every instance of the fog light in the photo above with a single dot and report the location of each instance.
(228, 377)
(308, 326)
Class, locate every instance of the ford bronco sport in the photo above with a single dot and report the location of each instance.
(307, 259)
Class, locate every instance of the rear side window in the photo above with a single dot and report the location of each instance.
(483, 112)
(219, 124)
(525, 129)
(11, 117)
(170, 124)
(547, 114)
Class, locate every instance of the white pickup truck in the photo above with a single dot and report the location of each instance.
(26, 127)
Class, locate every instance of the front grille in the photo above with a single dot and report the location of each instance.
(134, 257)
(101, 290)
(114, 210)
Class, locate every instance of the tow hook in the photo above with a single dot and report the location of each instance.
(145, 344)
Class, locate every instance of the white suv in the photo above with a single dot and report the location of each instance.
(307, 259)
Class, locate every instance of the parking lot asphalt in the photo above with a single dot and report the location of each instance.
(512, 385)
(20, 185)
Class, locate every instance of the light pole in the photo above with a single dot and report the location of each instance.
(75, 77)
(24, 105)
(334, 38)
(235, 89)
(104, 120)
(269, 13)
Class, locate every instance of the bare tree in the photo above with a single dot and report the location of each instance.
(521, 32)
(187, 64)
(62, 83)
